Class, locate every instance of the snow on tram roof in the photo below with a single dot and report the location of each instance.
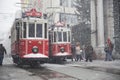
(60, 24)
(61, 29)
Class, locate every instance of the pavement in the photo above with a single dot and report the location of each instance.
(98, 63)
(96, 70)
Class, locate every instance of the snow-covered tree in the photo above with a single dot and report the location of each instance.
(82, 31)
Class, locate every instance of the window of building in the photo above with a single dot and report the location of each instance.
(68, 18)
(66, 3)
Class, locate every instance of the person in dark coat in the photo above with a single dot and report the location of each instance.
(89, 53)
(2, 52)
(73, 52)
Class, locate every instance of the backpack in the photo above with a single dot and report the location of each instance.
(106, 49)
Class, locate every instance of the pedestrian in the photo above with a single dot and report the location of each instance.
(73, 52)
(83, 52)
(2, 52)
(89, 53)
(108, 50)
(77, 50)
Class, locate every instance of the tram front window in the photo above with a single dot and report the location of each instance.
(59, 36)
(64, 36)
(31, 30)
(39, 30)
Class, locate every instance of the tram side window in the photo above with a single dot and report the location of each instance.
(45, 30)
(69, 36)
(31, 32)
(55, 36)
(39, 30)
(24, 30)
(64, 36)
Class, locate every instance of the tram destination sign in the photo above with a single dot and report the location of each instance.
(32, 13)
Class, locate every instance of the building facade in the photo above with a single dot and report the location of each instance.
(105, 24)
(116, 11)
(56, 10)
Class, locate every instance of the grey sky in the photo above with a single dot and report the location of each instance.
(7, 14)
(8, 9)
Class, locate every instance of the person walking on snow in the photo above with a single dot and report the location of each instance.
(89, 53)
(2, 52)
(108, 49)
(77, 50)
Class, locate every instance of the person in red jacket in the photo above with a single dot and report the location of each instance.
(109, 50)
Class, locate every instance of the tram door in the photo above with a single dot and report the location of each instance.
(18, 26)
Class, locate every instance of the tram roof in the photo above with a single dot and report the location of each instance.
(61, 29)
(31, 20)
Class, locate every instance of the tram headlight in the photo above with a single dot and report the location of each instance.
(62, 49)
(35, 49)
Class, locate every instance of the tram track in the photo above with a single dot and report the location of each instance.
(47, 74)
(55, 72)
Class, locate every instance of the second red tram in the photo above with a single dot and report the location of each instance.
(60, 42)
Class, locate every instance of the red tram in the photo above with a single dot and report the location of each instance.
(29, 41)
(60, 42)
